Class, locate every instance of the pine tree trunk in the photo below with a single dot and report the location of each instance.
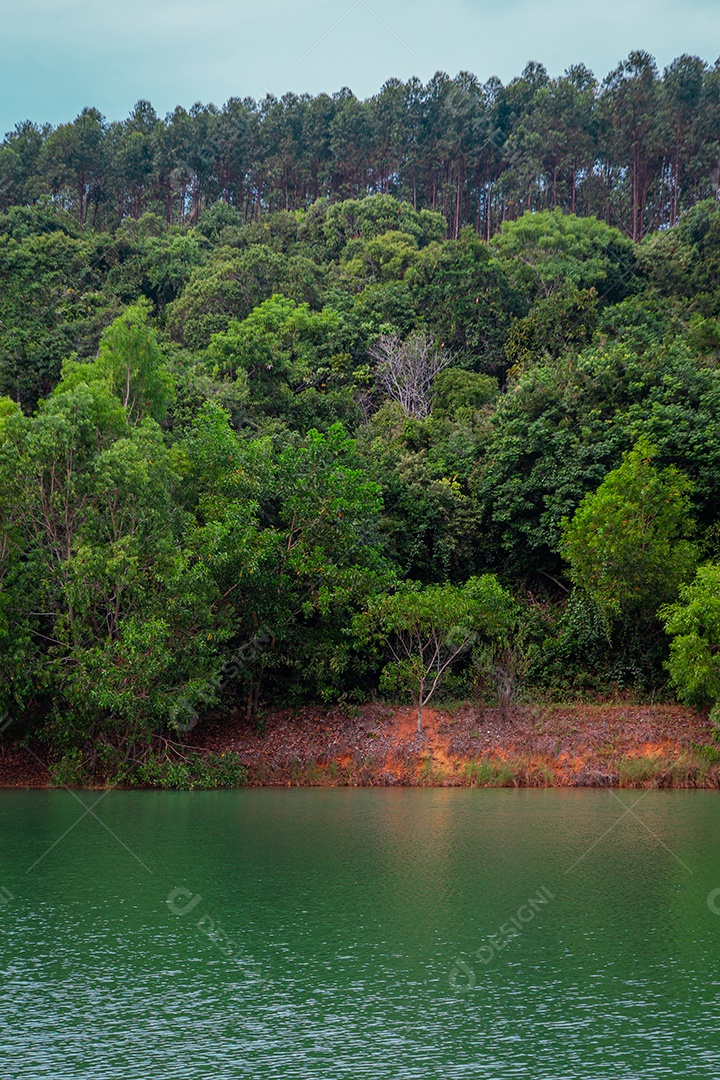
(676, 180)
(573, 185)
(458, 205)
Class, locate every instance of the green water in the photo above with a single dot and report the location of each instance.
(359, 933)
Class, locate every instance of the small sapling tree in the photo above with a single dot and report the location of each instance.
(427, 629)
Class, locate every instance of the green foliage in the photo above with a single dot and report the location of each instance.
(188, 772)
(635, 150)
(693, 623)
(685, 261)
(457, 392)
(427, 629)
(565, 319)
(378, 216)
(208, 495)
(429, 520)
(465, 298)
(112, 618)
(627, 543)
(172, 769)
(235, 282)
(131, 363)
(545, 250)
(285, 354)
(380, 259)
(581, 650)
(51, 304)
(302, 575)
(563, 425)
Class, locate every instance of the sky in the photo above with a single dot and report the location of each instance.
(57, 56)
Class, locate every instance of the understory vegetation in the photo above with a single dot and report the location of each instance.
(350, 449)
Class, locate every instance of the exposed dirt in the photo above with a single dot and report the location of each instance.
(572, 745)
(23, 767)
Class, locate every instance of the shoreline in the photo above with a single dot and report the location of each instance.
(572, 745)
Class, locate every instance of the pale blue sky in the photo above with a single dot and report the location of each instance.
(58, 55)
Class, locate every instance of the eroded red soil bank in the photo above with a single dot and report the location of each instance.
(533, 746)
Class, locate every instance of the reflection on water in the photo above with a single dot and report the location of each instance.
(337, 933)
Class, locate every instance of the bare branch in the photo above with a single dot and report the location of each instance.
(406, 370)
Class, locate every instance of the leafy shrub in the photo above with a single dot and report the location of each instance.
(190, 773)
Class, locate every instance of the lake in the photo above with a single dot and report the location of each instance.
(409, 933)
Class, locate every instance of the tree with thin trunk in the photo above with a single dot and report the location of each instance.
(73, 159)
(682, 89)
(427, 629)
(630, 104)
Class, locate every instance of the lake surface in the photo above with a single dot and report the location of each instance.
(359, 933)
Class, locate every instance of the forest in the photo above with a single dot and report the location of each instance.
(326, 400)
(634, 150)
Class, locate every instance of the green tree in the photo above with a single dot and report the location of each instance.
(565, 319)
(540, 252)
(232, 284)
(377, 216)
(465, 299)
(682, 88)
(52, 301)
(379, 259)
(631, 110)
(294, 362)
(563, 424)
(73, 157)
(430, 521)
(288, 531)
(456, 390)
(627, 544)
(131, 363)
(427, 629)
(693, 623)
(113, 622)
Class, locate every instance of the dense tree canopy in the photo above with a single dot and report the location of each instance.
(277, 374)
